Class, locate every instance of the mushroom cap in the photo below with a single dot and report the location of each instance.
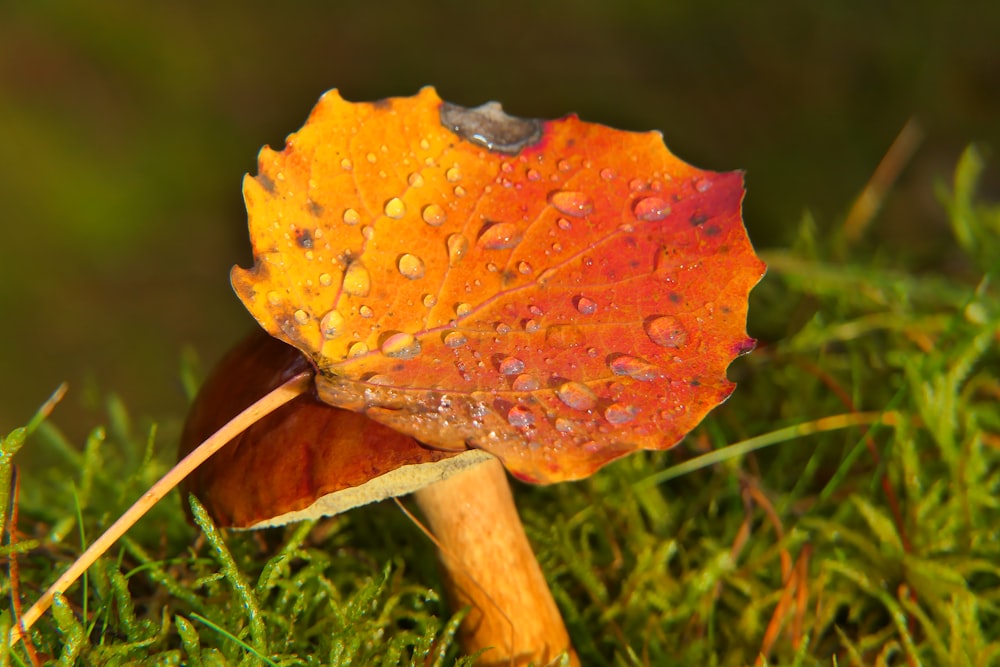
(557, 293)
(306, 459)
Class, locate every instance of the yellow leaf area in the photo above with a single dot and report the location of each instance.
(559, 305)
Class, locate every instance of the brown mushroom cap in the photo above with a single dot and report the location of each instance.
(306, 459)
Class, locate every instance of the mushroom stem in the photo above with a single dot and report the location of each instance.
(489, 566)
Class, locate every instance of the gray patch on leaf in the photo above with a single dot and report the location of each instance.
(489, 126)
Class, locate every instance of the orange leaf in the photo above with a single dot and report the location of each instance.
(557, 293)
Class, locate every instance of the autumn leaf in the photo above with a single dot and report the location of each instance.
(557, 293)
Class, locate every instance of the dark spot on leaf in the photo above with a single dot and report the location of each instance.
(383, 104)
(712, 230)
(698, 219)
(315, 209)
(266, 182)
(675, 297)
(489, 126)
(304, 238)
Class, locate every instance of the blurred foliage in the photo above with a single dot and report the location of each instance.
(128, 126)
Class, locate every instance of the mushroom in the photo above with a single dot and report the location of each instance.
(308, 459)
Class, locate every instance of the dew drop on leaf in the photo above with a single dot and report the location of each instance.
(576, 395)
(401, 346)
(434, 215)
(411, 266)
(525, 382)
(572, 203)
(332, 325)
(651, 209)
(665, 330)
(511, 366)
(395, 208)
(357, 281)
(500, 236)
(616, 413)
(635, 368)
(454, 339)
(352, 217)
(585, 306)
(458, 245)
(520, 416)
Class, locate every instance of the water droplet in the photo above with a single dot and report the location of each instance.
(608, 174)
(666, 331)
(433, 215)
(401, 346)
(301, 316)
(525, 382)
(411, 266)
(637, 184)
(463, 309)
(429, 300)
(500, 236)
(531, 326)
(524, 268)
(371, 158)
(357, 281)
(395, 208)
(535, 310)
(502, 329)
(703, 185)
(533, 175)
(563, 425)
(352, 217)
(617, 413)
(459, 191)
(511, 366)
(368, 232)
(357, 349)
(571, 202)
(382, 380)
(346, 164)
(274, 298)
(457, 247)
(415, 180)
(520, 417)
(366, 312)
(564, 224)
(651, 209)
(635, 368)
(425, 145)
(585, 305)
(576, 395)
(332, 325)
(325, 279)
(491, 267)
(564, 165)
(454, 339)
(453, 175)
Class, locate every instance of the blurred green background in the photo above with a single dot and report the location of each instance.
(126, 128)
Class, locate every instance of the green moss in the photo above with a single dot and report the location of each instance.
(852, 540)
